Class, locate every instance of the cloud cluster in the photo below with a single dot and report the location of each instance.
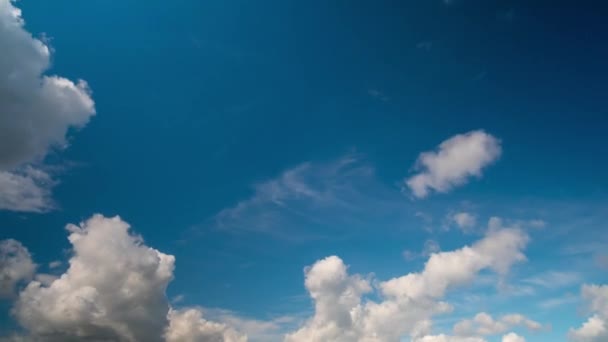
(595, 329)
(36, 112)
(484, 324)
(15, 266)
(408, 302)
(455, 161)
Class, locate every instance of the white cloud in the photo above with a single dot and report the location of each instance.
(55, 264)
(455, 161)
(464, 220)
(447, 338)
(113, 290)
(36, 112)
(256, 330)
(188, 325)
(15, 266)
(595, 329)
(513, 337)
(483, 324)
(27, 190)
(408, 301)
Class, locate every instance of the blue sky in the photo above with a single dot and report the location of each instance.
(252, 140)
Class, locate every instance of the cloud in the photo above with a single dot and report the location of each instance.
(554, 279)
(188, 325)
(408, 302)
(430, 247)
(483, 325)
(310, 200)
(595, 329)
(255, 330)
(455, 161)
(27, 190)
(15, 266)
(36, 113)
(447, 338)
(463, 220)
(513, 337)
(114, 292)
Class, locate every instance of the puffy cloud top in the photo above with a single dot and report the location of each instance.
(114, 288)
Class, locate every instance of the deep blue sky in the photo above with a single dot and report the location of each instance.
(198, 101)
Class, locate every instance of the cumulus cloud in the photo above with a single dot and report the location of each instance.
(113, 289)
(408, 302)
(595, 329)
(15, 266)
(36, 112)
(484, 324)
(188, 325)
(454, 162)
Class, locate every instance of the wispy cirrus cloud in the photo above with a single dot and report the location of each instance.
(341, 193)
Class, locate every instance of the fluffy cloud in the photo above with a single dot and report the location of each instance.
(455, 161)
(15, 266)
(595, 329)
(513, 337)
(113, 290)
(483, 324)
(408, 302)
(188, 325)
(464, 220)
(36, 112)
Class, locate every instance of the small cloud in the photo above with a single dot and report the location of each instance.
(177, 299)
(426, 46)
(537, 223)
(465, 221)
(55, 264)
(46, 279)
(430, 247)
(378, 95)
(455, 161)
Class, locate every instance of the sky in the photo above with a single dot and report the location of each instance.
(189, 171)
